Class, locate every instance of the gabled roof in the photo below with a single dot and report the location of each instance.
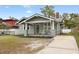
(22, 19)
(35, 15)
(10, 22)
(9, 19)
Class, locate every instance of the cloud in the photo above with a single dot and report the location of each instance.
(26, 6)
(6, 6)
(28, 11)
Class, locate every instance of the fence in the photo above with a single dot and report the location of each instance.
(66, 30)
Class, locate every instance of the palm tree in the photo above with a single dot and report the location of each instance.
(47, 11)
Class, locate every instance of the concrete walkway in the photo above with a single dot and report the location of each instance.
(61, 44)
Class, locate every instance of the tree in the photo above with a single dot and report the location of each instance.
(69, 24)
(47, 11)
(73, 15)
(72, 21)
(3, 26)
(65, 19)
(65, 16)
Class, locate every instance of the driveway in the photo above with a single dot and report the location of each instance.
(61, 44)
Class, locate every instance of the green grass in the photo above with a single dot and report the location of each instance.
(76, 35)
(12, 44)
(16, 44)
(70, 33)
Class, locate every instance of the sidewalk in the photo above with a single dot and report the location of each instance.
(60, 45)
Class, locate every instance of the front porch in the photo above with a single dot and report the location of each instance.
(39, 25)
(42, 29)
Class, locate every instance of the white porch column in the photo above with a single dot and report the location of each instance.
(47, 27)
(58, 28)
(52, 25)
(52, 28)
(43, 29)
(25, 31)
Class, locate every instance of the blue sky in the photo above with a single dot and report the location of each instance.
(19, 11)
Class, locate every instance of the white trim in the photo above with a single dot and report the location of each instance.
(38, 22)
(25, 31)
(21, 19)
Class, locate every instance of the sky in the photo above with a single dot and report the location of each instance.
(19, 11)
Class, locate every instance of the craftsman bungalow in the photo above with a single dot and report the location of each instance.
(39, 25)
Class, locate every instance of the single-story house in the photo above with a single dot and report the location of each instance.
(39, 25)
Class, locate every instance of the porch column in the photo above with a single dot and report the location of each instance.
(44, 30)
(34, 29)
(47, 27)
(52, 28)
(58, 28)
(25, 31)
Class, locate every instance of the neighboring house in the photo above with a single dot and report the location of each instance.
(39, 25)
(11, 23)
(10, 26)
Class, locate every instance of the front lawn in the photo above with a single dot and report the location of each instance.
(16, 44)
(76, 35)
